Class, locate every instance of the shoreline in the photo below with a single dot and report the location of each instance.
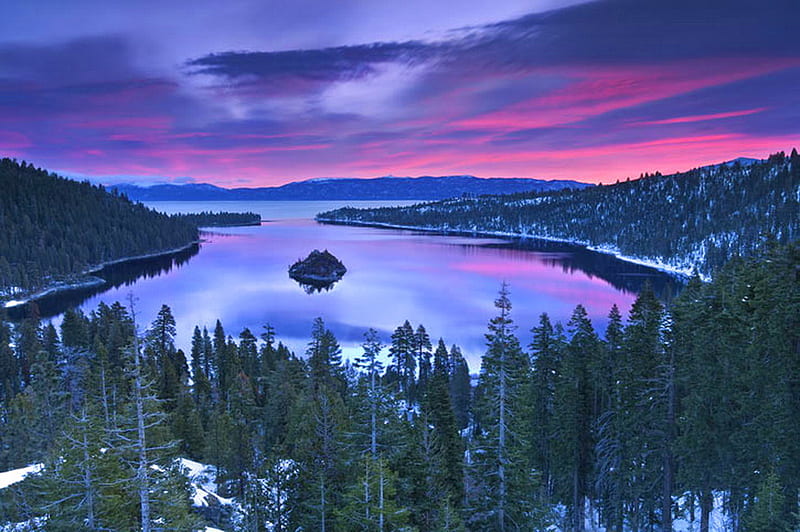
(679, 273)
(88, 279)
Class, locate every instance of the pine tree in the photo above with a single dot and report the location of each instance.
(574, 397)
(143, 441)
(80, 483)
(449, 447)
(370, 362)
(766, 511)
(546, 354)
(324, 358)
(402, 352)
(317, 426)
(269, 491)
(503, 371)
(317, 435)
(422, 352)
(29, 342)
(372, 502)
(643, 405)
(219, 360)
(460, 387)
(75, 328)
(609, 427)
(197, 355)
(9, 373)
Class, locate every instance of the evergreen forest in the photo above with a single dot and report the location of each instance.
(221, 219)
(670, 414)
(696, 219)
(53, 230)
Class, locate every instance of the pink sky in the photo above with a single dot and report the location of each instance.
(593, 91)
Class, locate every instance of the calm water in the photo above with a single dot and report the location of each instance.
(447, 283)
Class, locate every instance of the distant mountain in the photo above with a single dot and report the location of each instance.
(696, 219)
(380, 188)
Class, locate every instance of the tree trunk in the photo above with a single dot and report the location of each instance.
(577, 501)
(501, 444)
(380, 500)
(142, 479)
(106, 414)
(366, 490)
(706, 506)
(373, 416)
(141, 473)
(669, 465)
(87, 479)
(322, 502)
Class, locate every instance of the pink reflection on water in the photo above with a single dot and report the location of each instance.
(446, 283)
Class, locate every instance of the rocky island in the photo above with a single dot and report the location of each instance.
(321, 269)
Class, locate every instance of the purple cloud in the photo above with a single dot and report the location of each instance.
(598, 89)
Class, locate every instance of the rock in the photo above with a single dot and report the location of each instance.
(320, 269)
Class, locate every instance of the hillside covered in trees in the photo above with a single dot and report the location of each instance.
(221, 219)
(52, 229)
(671, 415)
(695, 219)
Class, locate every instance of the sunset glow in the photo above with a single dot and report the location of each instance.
(269, 93)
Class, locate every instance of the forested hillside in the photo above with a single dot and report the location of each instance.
(672, 414)
(52, 228)
(221, 219)
(696, 219)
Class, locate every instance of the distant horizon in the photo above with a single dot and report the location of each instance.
(309, 180)
(250, 92)
(186, 180)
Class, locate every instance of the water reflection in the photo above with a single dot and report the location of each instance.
(622, 275)
(114, 276)
(448, 283)
(314, 287)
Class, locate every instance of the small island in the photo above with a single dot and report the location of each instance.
(320, 270)
(221, 219)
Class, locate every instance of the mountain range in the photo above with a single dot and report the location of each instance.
(379, 188)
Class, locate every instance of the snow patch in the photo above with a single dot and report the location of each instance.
(8, 478)
(203, 479)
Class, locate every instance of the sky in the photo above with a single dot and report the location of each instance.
(263, 92)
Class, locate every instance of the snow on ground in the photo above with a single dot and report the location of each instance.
(37, 523)
(16, 475)
(203, 479)
(718, 521)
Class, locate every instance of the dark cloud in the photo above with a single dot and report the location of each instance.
(603, 32)
(327, 64)
(644, 31)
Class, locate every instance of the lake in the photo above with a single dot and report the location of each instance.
(446, 282)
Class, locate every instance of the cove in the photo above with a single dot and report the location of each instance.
(446, 282)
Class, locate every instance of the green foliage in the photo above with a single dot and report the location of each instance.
(220, 219)
(41, 242)
(702, 217)
(696, 400)
(766, 511)
(505, 497)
